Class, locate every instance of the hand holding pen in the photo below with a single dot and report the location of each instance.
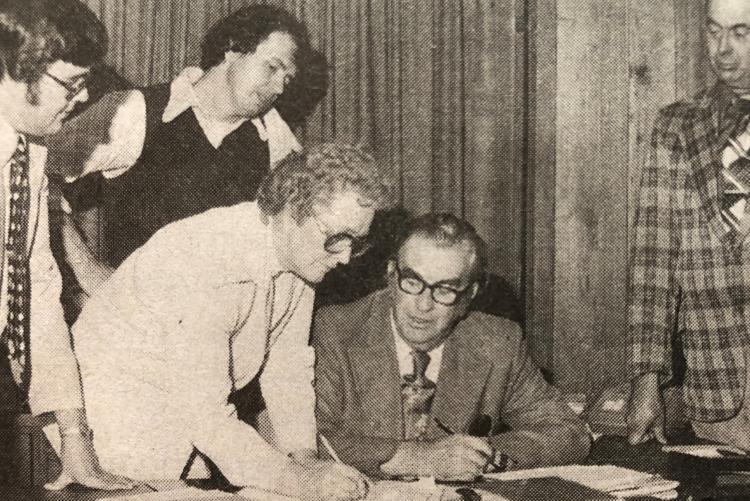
(497, 460)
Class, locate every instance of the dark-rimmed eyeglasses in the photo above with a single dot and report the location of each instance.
(72, 88)
(343, 241)
(410, 283)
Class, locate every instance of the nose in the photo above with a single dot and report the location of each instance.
(724, 45)
(278, 84)
(344, 256)
(424, 301)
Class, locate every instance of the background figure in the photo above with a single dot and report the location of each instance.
(691, 259)
(47, 49)
(205, 140)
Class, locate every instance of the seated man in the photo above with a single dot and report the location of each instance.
(405, 376)
(205, 305)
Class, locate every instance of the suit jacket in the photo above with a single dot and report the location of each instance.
(688, 271)
(54, 373)
(485, 369)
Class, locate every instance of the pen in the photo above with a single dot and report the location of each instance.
(329, 448)
(505, 460)
(332, 452)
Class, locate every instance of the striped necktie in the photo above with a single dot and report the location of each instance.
(16, 332)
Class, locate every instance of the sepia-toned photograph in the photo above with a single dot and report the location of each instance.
(377, 250)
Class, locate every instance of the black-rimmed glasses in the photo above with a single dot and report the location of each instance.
(72, 88)
(343, 241)
(412, 284)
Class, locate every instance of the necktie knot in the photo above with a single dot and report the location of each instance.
(421, 360)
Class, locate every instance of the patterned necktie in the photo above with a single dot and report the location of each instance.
(17, 327)
(417, 392)
(735, 201)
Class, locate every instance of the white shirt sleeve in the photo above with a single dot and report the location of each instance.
(108, 138)
(287, 380)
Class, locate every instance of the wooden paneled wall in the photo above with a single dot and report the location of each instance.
(434, 88)
(617, 63)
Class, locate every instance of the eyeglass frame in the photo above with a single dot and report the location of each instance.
(400, 278)
(72, 89)
(358, 246)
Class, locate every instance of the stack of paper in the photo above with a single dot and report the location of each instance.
(614, 480)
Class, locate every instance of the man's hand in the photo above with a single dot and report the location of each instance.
(327, 480)
(645, 416)
(455, 457)
(80, 465)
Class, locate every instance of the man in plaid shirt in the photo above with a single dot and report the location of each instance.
(691, 260)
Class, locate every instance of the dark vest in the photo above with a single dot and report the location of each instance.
(179, 174)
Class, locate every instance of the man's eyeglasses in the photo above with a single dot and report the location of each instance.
(343, 241)
(72, 88)
(410, 283)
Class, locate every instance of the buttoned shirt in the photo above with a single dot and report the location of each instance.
(195, 313)
(405, 360)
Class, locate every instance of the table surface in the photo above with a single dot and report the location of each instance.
(697, 476)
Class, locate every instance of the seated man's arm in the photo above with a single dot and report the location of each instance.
(366, 453)
(544, 430)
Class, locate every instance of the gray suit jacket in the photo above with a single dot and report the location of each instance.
(485, 369)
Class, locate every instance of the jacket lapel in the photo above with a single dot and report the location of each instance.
(376, 376)
(461, 382)
(707, 134)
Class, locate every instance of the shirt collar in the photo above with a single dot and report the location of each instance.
(403, 350)
(273, 265)
(182, 97)
(8, 141)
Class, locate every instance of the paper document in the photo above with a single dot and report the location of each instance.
(185, 494)
(614, 480)
(706, 451)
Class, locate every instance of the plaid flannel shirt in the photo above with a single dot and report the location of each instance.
(689, 271)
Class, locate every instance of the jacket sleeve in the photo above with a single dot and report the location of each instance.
(366, 453)
(544, 430)
(654, 292)
(55, 382)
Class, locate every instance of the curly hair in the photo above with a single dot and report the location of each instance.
(37, 33)
(301, 181)
(244, 29)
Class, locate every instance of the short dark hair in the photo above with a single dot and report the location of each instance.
(302, 180)
(244, 29)
(36, 33)
(447, 230)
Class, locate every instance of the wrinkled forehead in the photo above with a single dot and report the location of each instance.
(437, 261)
(728, 13)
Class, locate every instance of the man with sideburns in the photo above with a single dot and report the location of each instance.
(46, 50)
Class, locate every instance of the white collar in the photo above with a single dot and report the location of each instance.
(8, 141)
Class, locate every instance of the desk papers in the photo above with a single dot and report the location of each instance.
(614, 480)
(706, 451)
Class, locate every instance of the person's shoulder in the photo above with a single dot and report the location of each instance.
(671, 118)
(490, 332)
(343, 321)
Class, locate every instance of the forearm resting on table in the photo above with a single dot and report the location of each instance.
(409, 460)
